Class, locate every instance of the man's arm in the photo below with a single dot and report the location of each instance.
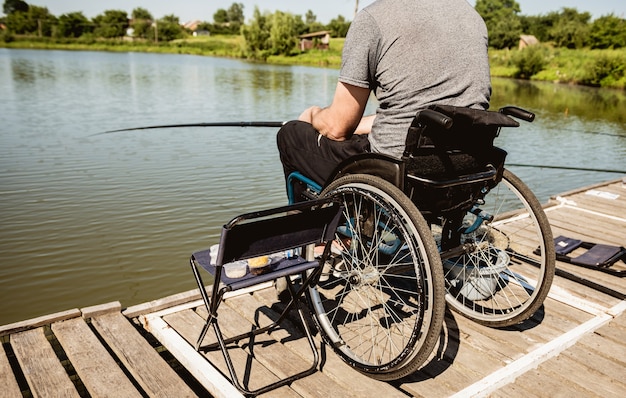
(340, 120)
(365, 125)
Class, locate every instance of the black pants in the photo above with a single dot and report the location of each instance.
(303, 149)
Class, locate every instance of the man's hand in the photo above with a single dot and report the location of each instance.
(341, 119)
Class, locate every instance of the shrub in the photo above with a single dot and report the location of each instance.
(530, 61)
(6, 37)
(606, 70)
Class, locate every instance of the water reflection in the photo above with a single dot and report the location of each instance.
(557, 101)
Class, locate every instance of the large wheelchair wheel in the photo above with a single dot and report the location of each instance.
(507, 276)
(380, 299)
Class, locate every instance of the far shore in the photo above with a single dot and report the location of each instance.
(559, 65)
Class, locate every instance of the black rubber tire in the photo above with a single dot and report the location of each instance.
(507, 278)
(382, 311)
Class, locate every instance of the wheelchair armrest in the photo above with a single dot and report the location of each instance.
(431, 117)
(518, 113)
(423, 119)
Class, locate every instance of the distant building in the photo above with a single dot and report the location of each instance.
(527, 40)
(319, 40)
(192, 25)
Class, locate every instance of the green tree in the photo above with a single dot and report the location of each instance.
(571, 28)
(309, 24)
(169, 28)
(338, 26)
(235, 14)
(271, 34)
(141, 23)
(302, 28)
(113, 23)
(36, 21)
(256, 34)
(19, 23)
(11, 6)
(283, 33)
(229, 21)
(74, 24)
(502, 20)
(220, 16)
(608, 31)
(310, 18)
(538, 25)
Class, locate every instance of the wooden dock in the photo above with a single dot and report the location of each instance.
(575, 346)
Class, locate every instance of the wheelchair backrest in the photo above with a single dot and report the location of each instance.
(450, 157)
(468, 130)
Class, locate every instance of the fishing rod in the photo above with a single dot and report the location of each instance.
(280, 124)
(214, 124)
(543, 166)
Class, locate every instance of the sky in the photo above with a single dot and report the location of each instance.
(325, 10)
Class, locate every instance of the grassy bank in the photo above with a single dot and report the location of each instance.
(602, 68)
(606, 68)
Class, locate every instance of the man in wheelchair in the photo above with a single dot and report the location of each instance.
(410, 55)
(431, 217)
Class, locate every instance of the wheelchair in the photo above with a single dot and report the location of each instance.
(445, 224)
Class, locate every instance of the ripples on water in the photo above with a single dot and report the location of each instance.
(91, 219)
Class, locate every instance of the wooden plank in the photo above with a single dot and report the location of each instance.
(38, 322)
(141, 360)
(547, 384)
(619, 321)
(96, 368)
(251, 373)
(593, 186)
(10, 388)
(600, 204)
(90, 312)
(576, 224)
(594, 360)
(594, 205)
(432, 379)
(585, 293)
(282, 361)
(529, 361)
(162, 303)
(606, 348)
(595, 276)
(514, 390)
(44, 373)
(571, 372)
(294, 339)
(196, 364)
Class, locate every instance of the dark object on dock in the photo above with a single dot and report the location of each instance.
(597, 256)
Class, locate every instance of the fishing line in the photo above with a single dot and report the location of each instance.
(543, 166)
(593, 132)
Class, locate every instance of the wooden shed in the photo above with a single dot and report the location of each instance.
(527, 40)
(319, 40)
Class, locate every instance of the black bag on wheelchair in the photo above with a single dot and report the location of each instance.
(448, 168)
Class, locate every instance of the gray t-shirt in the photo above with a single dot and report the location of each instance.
(414, 53)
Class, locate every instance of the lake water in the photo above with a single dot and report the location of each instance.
(86, 219)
